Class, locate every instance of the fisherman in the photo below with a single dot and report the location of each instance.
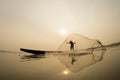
(71, 45)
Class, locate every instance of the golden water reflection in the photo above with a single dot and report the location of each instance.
(54, 67)
(65, 72)
(74, 61)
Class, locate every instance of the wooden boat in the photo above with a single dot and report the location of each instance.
(32, 51)
(38, 52)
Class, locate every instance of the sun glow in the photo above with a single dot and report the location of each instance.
(63, 31)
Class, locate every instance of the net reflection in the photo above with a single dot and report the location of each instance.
(76, 62)
(73, 60)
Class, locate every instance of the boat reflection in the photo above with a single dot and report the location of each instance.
(74, 60)
(31, 57)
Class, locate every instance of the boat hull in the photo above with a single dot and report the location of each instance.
(32, 51)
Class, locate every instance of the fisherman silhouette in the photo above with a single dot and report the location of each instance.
(71, 45)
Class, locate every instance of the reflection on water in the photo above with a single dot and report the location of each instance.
(77, 61)
(73, 60)
(65, 72)
(31, 57)
(62, 66)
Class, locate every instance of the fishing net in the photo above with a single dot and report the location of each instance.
(85, 53)
(79, 42)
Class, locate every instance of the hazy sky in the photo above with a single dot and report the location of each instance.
(36, 23)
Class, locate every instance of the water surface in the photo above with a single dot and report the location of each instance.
(51, 67)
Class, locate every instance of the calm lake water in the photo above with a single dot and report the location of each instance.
(16, 66)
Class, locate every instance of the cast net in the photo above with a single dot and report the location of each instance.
(79, 42)
(85, 53)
